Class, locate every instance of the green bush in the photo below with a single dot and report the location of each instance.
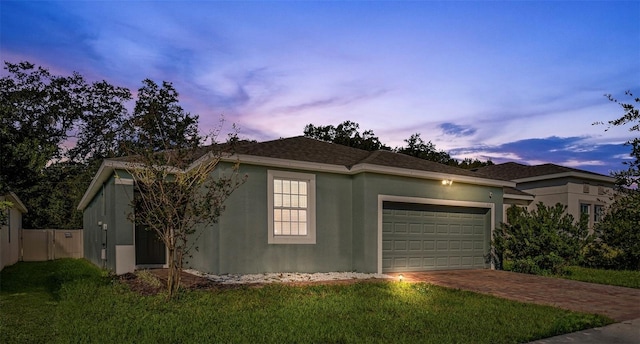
(616, 243)
(543, 241)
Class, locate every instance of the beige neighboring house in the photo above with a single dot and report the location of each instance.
(10, 231)
(583, 192)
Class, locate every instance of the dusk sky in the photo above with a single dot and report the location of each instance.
(508, 81)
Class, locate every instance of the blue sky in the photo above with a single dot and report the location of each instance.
(510, 81)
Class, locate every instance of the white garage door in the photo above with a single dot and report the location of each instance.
(419, 237)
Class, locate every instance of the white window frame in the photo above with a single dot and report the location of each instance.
(310, 238)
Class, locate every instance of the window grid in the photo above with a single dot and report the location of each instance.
(598, 213)
(290, 202)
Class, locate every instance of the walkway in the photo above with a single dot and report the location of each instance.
(618, 303)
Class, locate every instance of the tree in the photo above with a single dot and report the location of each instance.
(159, 121)
(346, 134)
(418, 148)
(177, 193)
(37, 110)
(101, 128)
(617, 235)
(541, 241)
(631, 115)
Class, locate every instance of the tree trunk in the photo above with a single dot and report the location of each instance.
(173, 280)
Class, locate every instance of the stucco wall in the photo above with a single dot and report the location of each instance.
(346, 226)
(366, 255)
(239, 244)
(10, 238)
(109, 207)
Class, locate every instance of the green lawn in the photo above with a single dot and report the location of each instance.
(71, 301)
(625, 278)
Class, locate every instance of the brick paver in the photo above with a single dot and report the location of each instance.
(618, 303)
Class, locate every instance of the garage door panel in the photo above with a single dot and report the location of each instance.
(417, 239)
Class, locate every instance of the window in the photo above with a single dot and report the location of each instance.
(584, 209)
(291, 208)
(598, 213)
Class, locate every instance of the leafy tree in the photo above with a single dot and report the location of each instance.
(159, 121)
(631, 115)
(426, 150)
(542, 241)
(101, 128)
(178, 192)
(37, 110)
(617, 235)
(346, 134)
(52, 201)
(469, 163)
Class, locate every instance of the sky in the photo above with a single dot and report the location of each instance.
(519, 81)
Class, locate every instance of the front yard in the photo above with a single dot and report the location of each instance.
(622, 278)
(72, 301)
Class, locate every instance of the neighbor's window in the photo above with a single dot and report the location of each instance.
(598, 213)
(584, 209)
(291, 208)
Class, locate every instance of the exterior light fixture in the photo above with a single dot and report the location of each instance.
(447, 182)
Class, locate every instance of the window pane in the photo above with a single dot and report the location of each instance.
(286, 228)
(302, 188)
(294, 187)
(277, 228)
(286, 186)
(302, 228)
(286, 200)
(294, 228)
(277, 200)
(302, 215)
(294, 201)
(302, 201)
(277, 214)
(286, 215)
(277, 185)
(294, 215)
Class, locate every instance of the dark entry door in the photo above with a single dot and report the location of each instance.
(150, 249)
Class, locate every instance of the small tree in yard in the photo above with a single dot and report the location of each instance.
(542, 241)
(176, 195)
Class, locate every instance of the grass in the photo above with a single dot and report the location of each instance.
(71, 301)
(622, 278)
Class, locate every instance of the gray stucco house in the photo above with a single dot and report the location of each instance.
(313, 206)
(583, 192)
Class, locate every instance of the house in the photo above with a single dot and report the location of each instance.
(10, 231)
(313, 206)
(583, 192)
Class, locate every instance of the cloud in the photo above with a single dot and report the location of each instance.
(457, 130)
(575, 152)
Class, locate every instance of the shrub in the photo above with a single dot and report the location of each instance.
(542, 241)
(617, 236)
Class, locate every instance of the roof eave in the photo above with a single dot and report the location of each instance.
(600, 178)
(360, 168)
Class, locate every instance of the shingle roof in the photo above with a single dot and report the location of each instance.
(514, 171)
(302, 148)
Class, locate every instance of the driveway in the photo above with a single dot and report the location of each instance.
(618, 303)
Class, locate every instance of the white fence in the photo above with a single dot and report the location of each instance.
(48, 244)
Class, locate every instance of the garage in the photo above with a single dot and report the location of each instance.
(423, 237)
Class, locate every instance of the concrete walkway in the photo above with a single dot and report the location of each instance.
(619, 303)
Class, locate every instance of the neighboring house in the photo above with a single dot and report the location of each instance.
(313, 206)
(10, 231)
(583, 192)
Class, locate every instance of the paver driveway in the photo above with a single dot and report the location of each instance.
(618, 303)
